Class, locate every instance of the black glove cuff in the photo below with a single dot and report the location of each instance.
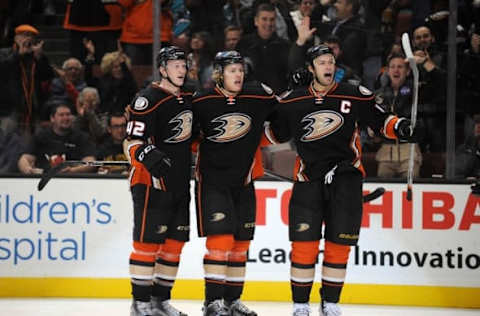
(149, 155)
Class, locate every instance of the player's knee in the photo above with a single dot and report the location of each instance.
(336, 253)
(305, 252)
(219, 246)
(144, 251)
(171, 250)
(239, 251)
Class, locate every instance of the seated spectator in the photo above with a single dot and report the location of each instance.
(26, 72)
(200, 60)
(469, 80)
(117, 86)
(393, 155)
(467, 156)
(56, 144)
(87, 118)
(233, 34)
(70, 82)
(342, 71)
(11, 147)
(111, 149)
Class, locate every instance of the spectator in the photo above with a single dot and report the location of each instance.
(467, 156)
(66, 87)
(342, 71)
(396, 97)
(284, 25)
(207, 16)
(87, 119)
(432, 88)
(233, 34)
(372, 22)
(469, 80)
(267, 52)
(97, 20)
(11, 147)
(26, 72)
(349, 28)
(57, 143)
(200, 60)
(117, 86)
(111, 149)
(137, 29)
(305, 9)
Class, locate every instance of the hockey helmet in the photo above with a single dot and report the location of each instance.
(170, 53)
(317, 50)
(226, 58)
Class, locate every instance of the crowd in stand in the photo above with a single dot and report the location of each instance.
(50, 113)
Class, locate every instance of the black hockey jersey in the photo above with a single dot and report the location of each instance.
(325, 128)
(230, 129)
(165, 120)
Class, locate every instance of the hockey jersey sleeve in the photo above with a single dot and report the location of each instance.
(375, 116)
(141, 123)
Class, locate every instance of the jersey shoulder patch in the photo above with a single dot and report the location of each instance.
(364, 91)
(140, 104)
(146, 99)
(256, 88)
(290, 95)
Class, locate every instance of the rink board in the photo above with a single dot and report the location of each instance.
(73, 239)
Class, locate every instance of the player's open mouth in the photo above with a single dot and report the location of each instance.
(328, 75)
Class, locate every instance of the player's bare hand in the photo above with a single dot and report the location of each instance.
(89, 46)
(37, 49)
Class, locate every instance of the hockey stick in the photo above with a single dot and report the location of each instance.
(46, 177)
(378, 192)
(413, 119)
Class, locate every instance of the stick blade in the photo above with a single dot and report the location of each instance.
(378, 192)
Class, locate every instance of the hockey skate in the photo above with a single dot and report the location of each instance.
(237, 308)
(215, 308)
(301, 309)
(330, 309)
(140, 308)
(164, 308)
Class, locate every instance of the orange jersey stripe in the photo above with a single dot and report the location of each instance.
(144, 215)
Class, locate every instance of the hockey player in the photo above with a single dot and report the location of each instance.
(158, 147)
(323, 120)
(231, 118)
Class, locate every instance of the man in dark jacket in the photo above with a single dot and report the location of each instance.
(267, 52)
(26, 71)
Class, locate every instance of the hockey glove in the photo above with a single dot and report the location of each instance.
(403, 130)
(156, 162)
(300, 77)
